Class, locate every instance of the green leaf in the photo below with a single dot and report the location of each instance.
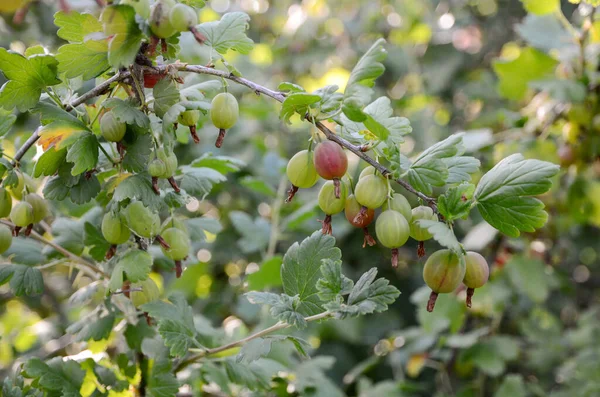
(359, 88)
(27, 78)
(255, 232)
(268, 275)
(515, 75)
(177, 336)
(127, 112)
(431, 168)
(443, 235)
(89, 59)
(176, 311)
(24, 280)
(369, 295)
(222, 164)
(136, 264)
(257, 185)
(124, 34)
(138, 153)
(302, 268)
(83, 154)
(162, 382)
(85, 189)
(502, 194)
(253, 375)
(290, 87)
(65, 377)
(456, 202)
(297, 102)
(546, 33)
(254, 350)
(200, 181)
(198, 226)
(332, 282)
(49, 112)
(74, 26)
(529, 277)
(97, 328)
(228, 33)
(94, 239)
(541, 7)
(139, 187)
(7, 119)
(166, 95)
(49, 162)
(512, 386)
(283, 307)
(460, 168)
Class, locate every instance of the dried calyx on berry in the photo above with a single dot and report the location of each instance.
(163, 165)
(392, 231)
(476, 275)
(443, 272)
(190, 118)
(351, 210)
(371, 191)
(330, 204)
(179, 246)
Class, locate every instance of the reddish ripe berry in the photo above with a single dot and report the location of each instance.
(151, 79)
(443, 273)
(330, 160)
(476, 275)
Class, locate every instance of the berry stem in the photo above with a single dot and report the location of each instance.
(470, 292)
(16, 231)
(155, 185)
(326, 225)
(28, 229)
(200, 38)
(431, 303)
(195, 136)
(174, 184)
(178, 269)
(394, 258)
(162, 242)
(291, 193)
(111, 252)
(368, 239)
(421, 249)
(220, 138)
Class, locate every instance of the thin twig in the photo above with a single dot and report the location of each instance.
(82, 263)
(276, 327)
(275, 216)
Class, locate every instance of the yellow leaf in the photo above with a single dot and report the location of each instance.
(415, 364)
(60, 134)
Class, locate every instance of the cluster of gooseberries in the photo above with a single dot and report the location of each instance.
(444, 272)
(396, 223)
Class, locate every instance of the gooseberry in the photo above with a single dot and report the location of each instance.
(331, 163)
(179, 247)
(5, 203)
(301, 172)
(182, 17)
(330, 204)
(175, 222)
(190, 118)
(399, 203)
(114, 231)
(159, 19)
(17, 190)
(40, 206)
(352, 208)
(141, 220)
(112, 129)
(476, 275)
(224, 113)
(149, 292)
(151, 79)
(371, 192)
(418, 232)
(443, 272)
(392, 231)
(5, 238)
(170, 161)
(21, 215)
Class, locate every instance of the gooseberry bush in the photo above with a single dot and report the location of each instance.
(110, 147)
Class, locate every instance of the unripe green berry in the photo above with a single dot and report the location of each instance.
(478, 271)
(40, 206)
(22, 214)
(188, 117)
(399, 203)
(5, 238)
(416, 231)
(112, 129)
(182, 17)
(392, 229)
(157, 168)
(301, 170)
(179, 243)
(224, 111)
(327, 200)
(114, 230)
(143, 221)
(443, 271)
(149, 292)
(5, 203)
(159, 19)
(371, 191)
(176, 222)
